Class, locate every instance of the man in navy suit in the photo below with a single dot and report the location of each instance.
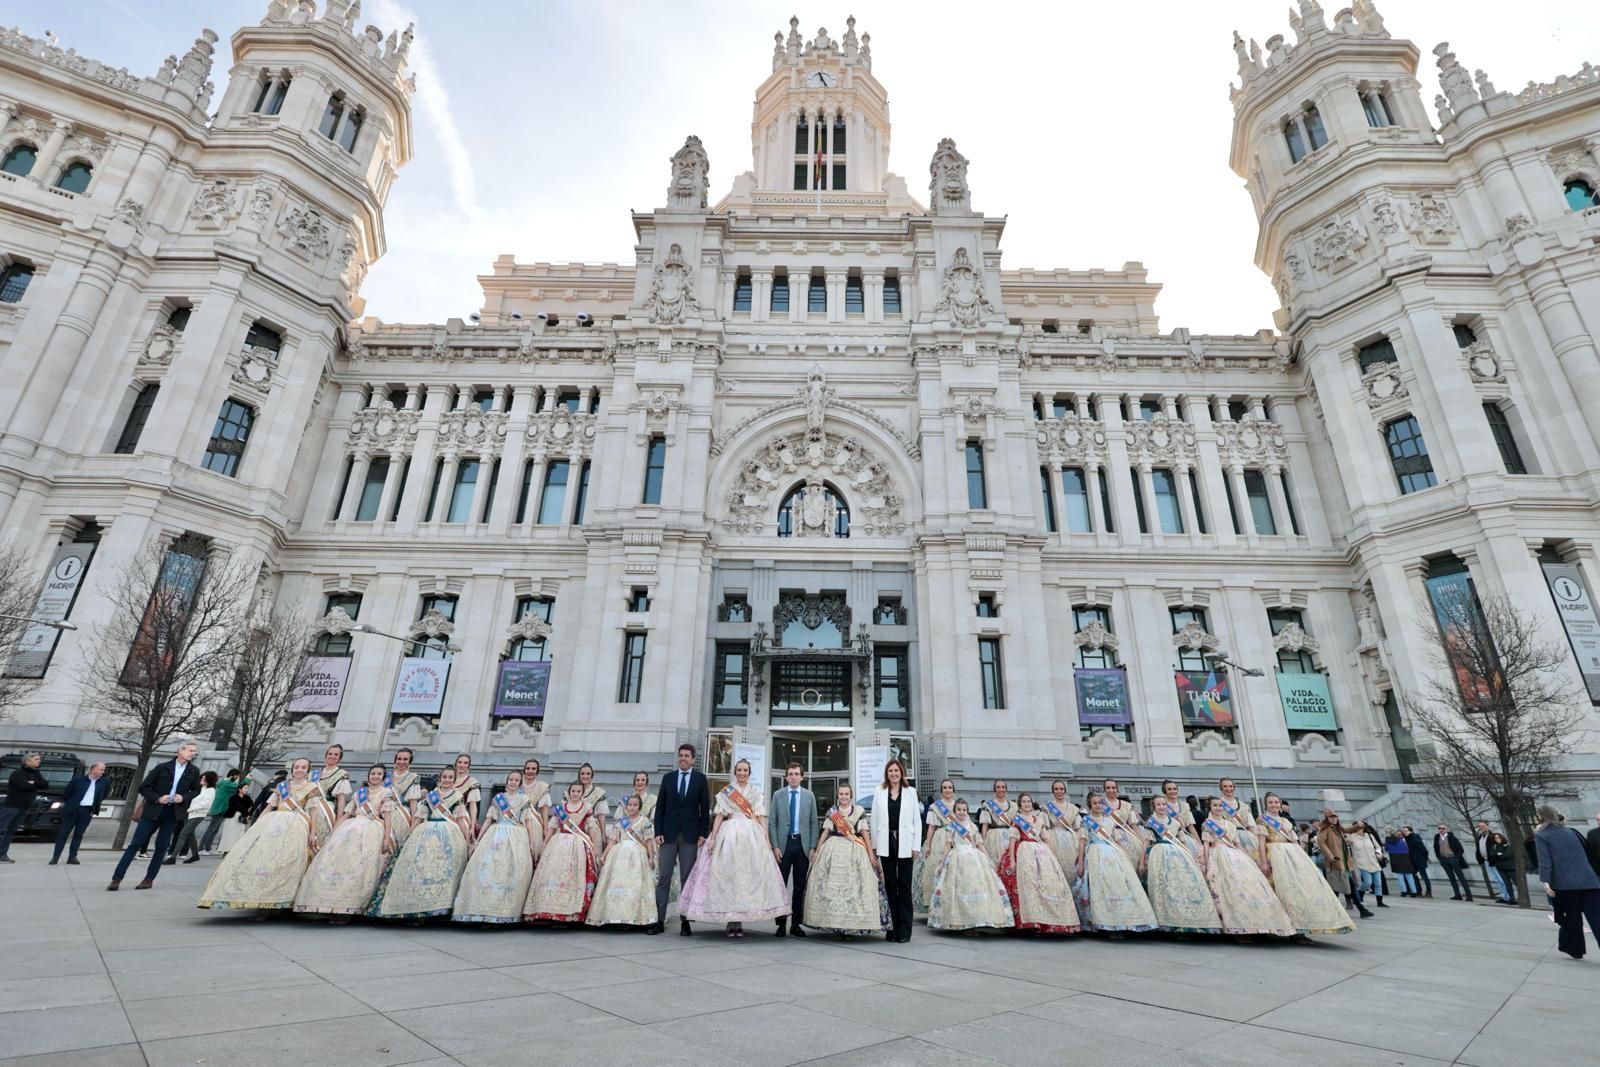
(167, 791)
(683, 819)
(81, 804)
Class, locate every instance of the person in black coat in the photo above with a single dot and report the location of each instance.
(683, 819)
(24, 784)
(1419, 859)
(1447, 850)
(78, 807)
(166, 791)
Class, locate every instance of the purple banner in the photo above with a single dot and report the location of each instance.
(1102, 696)
(522, 688)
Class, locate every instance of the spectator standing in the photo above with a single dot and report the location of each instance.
(1491, 876)
(1400, 863)
(80, 804)
(24, 784)
(1447, 846)
(1419, 859)
(1364, 860)
(1504, 861)
(1564, 869)
(167, 791)
(1336, 863)
(199, 812)
(1592, 843)
(221, 806)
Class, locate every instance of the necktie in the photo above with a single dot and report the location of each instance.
(794, 811)
(683, 784)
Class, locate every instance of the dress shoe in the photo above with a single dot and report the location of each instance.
(1363, 912)
(146, 884)
(7, 859)
(1456, 897)
(112, 888)
(72, 861)
(782, 931)
(169, 861)
(655, 928)
(1381, 904)
(683, 928)
(798, 931)
(54, 860)
(192, 859)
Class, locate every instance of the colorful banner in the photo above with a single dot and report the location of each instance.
(166, 617)
(1466, 637)
(1578, 618)
(523, 687)
(1102, 696)
(30, 657)
(1307, 705)
(420, 688)
(320, 689)
(1203, 698)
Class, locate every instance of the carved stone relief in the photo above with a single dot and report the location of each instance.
(1382, 384)
(948, 193)
(1071, 441)
(962, 299)
(671, 298)
(690, 181)
(382, 428)
(1252, 440)
(1432, 221)
(876, 507)
(1337, 245)
(1161, 439)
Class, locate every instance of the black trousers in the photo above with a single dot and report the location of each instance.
(73, 824)
(1572, 907)
(163, 825)
(795, 862)
(1455, 869)
(897, 885)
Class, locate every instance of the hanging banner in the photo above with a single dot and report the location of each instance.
(1203, 698)
(30, 657)
(320, 689)
(1102, 696)
(1578, 618)
(1307, 705)
(1467, 641)
(870, 762)
(166, 617)
(756, 755)
(420, 688)
(522, 689)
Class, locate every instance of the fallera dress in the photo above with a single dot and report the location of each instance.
(563, 882)
(1041, 895)
(844, 893)
(967, 893)
(1174, 881)
(926, 867)
(331, 785)
(1310, 904)
(538, 793)
(495, 882)
(1123, 824)
(407, 794)
(345, 871)
(994, 819)
(264, 869)
(625, 895)
(1237, 818)
(1060, 822)
(421, 882)
(736, 878)
(1110, 897)
(1244, 897)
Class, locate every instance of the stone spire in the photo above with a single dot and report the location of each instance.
(1454, 79)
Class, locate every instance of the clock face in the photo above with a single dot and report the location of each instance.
(820, 80)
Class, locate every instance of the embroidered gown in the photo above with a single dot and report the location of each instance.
(927, 866)
(844, 894)
(967, 893)
(647, 805)
(564, 880)
(1245, 899)
(1060, 823)
(407, 792)
(736, 878)
(345, 872)
(422, 880)
(1110, 897)
(494, 884)
(1041, 895)
(1243, 824)
(1175, 883)
(331, 786)
(538, 793)
(1310, 904)
(1123, 824)
(626, 892)
(996, 827)
(264, 869)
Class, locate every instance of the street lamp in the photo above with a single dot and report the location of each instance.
(363, 628)
(54, 624)
(1220, 662)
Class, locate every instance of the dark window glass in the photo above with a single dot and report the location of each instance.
(467, 472)
(14, 282)
(987, 607)
(351, 129)
(178, 318)
(344, 487)
(280, 89)
(800, 171)
(20, 160)
(75, 177)
(1190, 659)
(553, 500)
(638, 599)
(1297, 144)
(228, 438)
(1237, 410)
(1167, 507)
(841, 511)
(1288, 502)
(400, 489)
(1149, 409)
(1408, 454)
(838, 176)
(632, 668)
(1199, 505)
(1378, 352)
(1060, 406)
(1048, 501)
(138, 415)
(524, 491)
(780, 293)
(1138, 504)
(734, 608)
(810, 689)
(730, 684)
(483, 399)
(1314, 130)
(1376, 108)
(655, 469)
(854, 301)
(991, 672)
(331, 115)
(1233, 507)
(890, 611)
(583, 494)
(1255, 488)
(569, 399)
(1105, 502)
(338, 644)
(372, 489)
(800, 141)
(488, 494)
(891, 682)
(1290, 661)
(743, 292)
(891, 294)
(817, 295)
(838, 138)
(262, 336)
(1075, 497)
(977, 491)
(1092, 657)
(1500, 426)
(1466, 336)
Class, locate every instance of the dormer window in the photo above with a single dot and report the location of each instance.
(341, 122)
(274, 87)
(1580, 195)
(74, 177)
(1375, 103)
(1304, 133)
(20, 160)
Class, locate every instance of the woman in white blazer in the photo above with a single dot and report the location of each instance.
(897, 838)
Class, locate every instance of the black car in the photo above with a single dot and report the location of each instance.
(44, 818)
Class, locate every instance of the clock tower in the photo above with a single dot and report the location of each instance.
(820, 129)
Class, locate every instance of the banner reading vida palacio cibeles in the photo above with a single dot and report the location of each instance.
(1307, 704)
(1578, 618)
(320, 689)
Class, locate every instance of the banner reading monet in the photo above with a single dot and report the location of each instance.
(1102, 696)
(524, 684)
(1203, 698)
(1307, 704)
(420, 688)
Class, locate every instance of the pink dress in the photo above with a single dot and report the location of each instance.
(736, 879)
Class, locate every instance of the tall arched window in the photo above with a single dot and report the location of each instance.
(75, 176)
(790, 520)
(14, 281)
(19, 160)
(1581, 195)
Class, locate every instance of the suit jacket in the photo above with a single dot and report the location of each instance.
(910, 825)
(1419, 851)
(1563, 862)
(1591, 845)
(75, 788)
(158, 783)
(1455, 846)
(778, 827)
(685, 819)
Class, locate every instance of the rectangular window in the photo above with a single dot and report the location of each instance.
(1408, 455)
(344, 487)
(730, 683)
(350, 129)
(372, 490)
(780, 289)
(483, 399)
(977, 491)
(488, 494)
(583, 494)
(1377, 110)
(1297, 144)
(1288, 502)
(891, 682)
(461, 492)
(524, 492)
(987, 607)
(1313, 120)
(1233, 506)
(743, 292)
(1190, 659)
(330, 116)
(801, 140)
(891, 294)
(433, 491)
(1255, 489)
(1149, 409)
(138, 415)
(228, 438)
(570, 399)
(1060, 406)
(1500, 426)
(1048, 502)
(991, 672)
(1075, 497)
(400, 489)
(553, 498)
(1290, 661)
(1199, 505)
(1167, 507)
(329, 644)
(638, 599)
(838, 176)
(1138, 504)
(1375, 354)
(1465, 335)
(854, 301)
(1105, 503)
(1096, 658)
(632, 678)
(655, 469)
(817, 295)
(800, 171)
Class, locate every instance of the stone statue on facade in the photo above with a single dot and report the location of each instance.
(690, 181)
(948, 193)
(815, 394)
(671, 290)
(816, 510)
(962, 299)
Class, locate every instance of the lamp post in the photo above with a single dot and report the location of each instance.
(54, 624)
(1219, 661)
(363, 628)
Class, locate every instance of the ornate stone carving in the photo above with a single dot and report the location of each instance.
(159, 346)
(560, 433)
(529, 628)
(720, 443)
(1213, 747)
(1483, 364)
(1382, 384)
(972, 409)
(382, 428)
(815, 513)
(811, 612)
(1516, 226)
(472, 430)
(256, 367)
(216, 204)
(1431, 218)
(690, 181)
(305, 232)
(1071, 441)
(1291, 638)
(1252, 440)
(1194, 638)
(1161, 438)
(1384, 212)
(1095, 636)
(876, 507)
(260, 208)
(962, 300)
(336, 622)
(129, 211)
(1570, 163)
(433, 624)
(816, 394)
(1337, 245)
(671, 298)
(947, 186)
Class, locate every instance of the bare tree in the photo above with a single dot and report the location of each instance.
(1499, 708)
(161, 664)
(19, 587)
(271, 669)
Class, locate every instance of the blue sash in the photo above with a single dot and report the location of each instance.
(283, 790)
(1022, 824)
(942, 808)
(1270, 821)
(433, 797)
(316, 775)
(1155, 824)
(1230, 809)
(1214, 827)
(501, 802)
(388, 779)
(1050, 806)
(956, 825)
(361, 795)
(999, 812)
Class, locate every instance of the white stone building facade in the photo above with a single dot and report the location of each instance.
(814, 472)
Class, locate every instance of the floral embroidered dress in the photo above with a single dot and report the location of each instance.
(407, 793)
(264, 869)
(1244, 897)
(494, 884)
(967, 893)
(422, 880)
(345, 872)
(994, 819)
(1237, 817)
(626, 892)
(1110, 897)
(331, 785)
(736, 878)
(538, 793)
(926, 867)
(1041, 896)
(844, 892)
(1175, 883)
(564, 880)
(1310, 904)
(1122, 822)
(1060, 821)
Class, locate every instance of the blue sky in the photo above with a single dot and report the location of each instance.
(1100, 130)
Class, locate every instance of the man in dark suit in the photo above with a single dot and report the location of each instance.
(683, 819)
(1447, 847)
(81, 804)
(166, 791)
(792, 826)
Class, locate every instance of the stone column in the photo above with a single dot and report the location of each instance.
(1186, 501)
(1279, 503)
(535, 489)
(1144, 485)
(835, 283)
(1571, 341)
(447, 486)
(872, 285)
(361, 461)
(569, 506)
(797, 296)
(391, 485)
(45, 161)
(1241, 503)
(480, 491)
(422, 457)
(760, 295)
(512, 456)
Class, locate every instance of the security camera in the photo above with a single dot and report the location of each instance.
(543, 317)
(517, 315)
(584, 318)
(475, 317)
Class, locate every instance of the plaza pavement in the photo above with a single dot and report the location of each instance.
(97, 979)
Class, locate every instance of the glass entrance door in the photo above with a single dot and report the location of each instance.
(826, 759)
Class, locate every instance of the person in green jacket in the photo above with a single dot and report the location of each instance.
(220, 805)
